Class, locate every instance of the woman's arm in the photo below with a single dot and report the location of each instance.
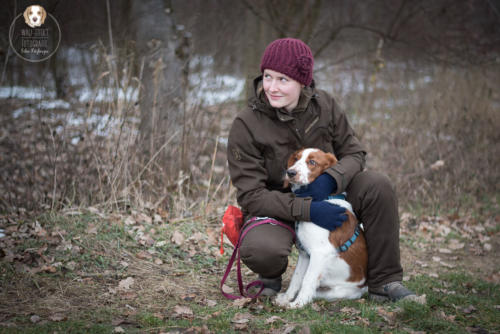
(248, 175)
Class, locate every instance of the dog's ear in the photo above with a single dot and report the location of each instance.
(26, 11)
(331, 158)
(44, 15)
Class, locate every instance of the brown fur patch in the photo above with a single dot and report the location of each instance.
(356, 255)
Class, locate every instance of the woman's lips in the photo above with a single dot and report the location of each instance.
(274, 97)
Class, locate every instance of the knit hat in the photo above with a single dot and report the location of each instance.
(291, 57)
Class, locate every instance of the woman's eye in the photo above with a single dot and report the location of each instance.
(284, 79)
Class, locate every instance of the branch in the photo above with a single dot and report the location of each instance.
(259, 16)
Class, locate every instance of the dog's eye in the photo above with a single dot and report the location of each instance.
(312, 162)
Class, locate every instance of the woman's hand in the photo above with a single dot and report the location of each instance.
(319, 189)
(327, 215)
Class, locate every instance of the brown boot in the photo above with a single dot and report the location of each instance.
(271, 286)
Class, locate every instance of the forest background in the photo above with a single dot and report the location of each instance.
(128, 121)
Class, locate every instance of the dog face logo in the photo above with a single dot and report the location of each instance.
(34, 16)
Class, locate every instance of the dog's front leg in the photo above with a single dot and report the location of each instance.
(310, 282)
(283, 299)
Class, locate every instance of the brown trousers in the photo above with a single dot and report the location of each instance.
(266, 248)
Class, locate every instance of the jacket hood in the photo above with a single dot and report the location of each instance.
(259, 101)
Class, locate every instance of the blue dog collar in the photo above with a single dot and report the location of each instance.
(341, 196)
(349, 242)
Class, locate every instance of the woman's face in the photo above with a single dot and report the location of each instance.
(281, 90)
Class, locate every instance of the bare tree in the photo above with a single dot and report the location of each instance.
(160, 70)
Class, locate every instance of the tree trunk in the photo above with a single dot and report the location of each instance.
(160, 72)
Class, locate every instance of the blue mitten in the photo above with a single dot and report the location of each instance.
(327, 215)
(319, 189)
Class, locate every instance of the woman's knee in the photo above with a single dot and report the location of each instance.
(375, 185)
(265, 251)
(268, 262)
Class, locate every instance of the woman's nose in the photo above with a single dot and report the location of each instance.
(273, 87)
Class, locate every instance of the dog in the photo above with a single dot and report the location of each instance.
(325, 268)
(34, 16)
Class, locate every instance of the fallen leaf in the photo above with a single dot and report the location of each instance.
(70, 265)
(422, 300)
(241, 318)
(437, 165)
(288, 329)
(211, 303)
(91, 229)
(58, 317)
(454, 244)
(160, 243)
(118, 330)
(469, 309)
(242, 302)
(197, 237)
(129, 220)
(126, 283)
(443, 315)
(316, 307)
(273, 319)
(227, 289)
(116, 322)
(48, 269)
(183, 312)
(157, 219)
(388, 316)
(144, 255)
(143, 218)
(350, 310)
(178, 238)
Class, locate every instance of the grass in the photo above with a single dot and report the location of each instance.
(457, 300)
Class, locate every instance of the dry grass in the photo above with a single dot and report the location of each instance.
(435, 133)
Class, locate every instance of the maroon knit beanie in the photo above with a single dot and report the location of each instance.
(291, 57)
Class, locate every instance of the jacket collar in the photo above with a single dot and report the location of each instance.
(259, 102)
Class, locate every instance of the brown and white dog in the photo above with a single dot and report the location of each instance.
(34, 16)
(323, 270)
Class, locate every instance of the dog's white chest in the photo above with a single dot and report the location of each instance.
(311, 237)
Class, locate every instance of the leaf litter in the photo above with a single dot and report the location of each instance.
(442, 242)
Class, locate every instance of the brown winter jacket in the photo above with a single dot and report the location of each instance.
(262, 138)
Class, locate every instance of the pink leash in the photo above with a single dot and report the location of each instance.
(236, 254)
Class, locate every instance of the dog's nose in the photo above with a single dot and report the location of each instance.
(34, 19)
(291, 173)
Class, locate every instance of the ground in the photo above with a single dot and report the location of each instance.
(88, 271)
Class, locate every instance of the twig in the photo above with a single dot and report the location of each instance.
(55, 170)
(211, 174)
(153, 157)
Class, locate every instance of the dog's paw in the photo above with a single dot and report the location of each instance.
(294, 305)
(297, 303)
(282, 299)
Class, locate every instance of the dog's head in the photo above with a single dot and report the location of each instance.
(305, 165)
(34, 16)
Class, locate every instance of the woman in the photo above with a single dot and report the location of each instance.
(288, 113)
